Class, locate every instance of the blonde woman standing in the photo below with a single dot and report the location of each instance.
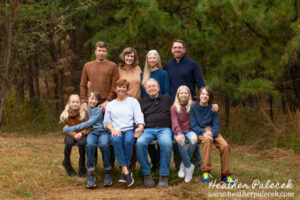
(153, 69)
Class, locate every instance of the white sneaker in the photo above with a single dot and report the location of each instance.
(181, 172)
(189, 173)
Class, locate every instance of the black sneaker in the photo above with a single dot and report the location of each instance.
(129, 179)
(91, 181)
(163, 182)
(122, 178)
(69, 169)
(107, 179)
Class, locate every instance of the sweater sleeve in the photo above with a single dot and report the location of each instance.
(115, 77)
(72, 134)
(143, 91)
(83, 85)
(107, 116)
(194, 123)
(86, 130)
(96, 114)
(215, 124)
(138, 115)
(174, 120)
(166, 83)
(198, 76)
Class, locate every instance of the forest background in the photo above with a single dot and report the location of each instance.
(248, 52)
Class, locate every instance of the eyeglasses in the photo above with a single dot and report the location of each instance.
(177, 47)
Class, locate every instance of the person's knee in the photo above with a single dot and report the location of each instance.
(69, 142)
(104, 146)
(81, 144)
(141, 144)
(128, 142)
(90, 145)
(206, 141)
(116, 140)
(167, 144)
(225, 147)
(181, 144)
(194, 139)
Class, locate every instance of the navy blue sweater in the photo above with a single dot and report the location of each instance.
(162, 78)
(186, 72)
(202, 117)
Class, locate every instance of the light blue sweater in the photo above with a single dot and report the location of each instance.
(95, 121)
(123, 115)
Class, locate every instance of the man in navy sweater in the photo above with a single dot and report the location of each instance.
(183, 71)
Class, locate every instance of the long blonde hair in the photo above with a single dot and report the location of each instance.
(177, 101)
(65, 114)
(147, 71)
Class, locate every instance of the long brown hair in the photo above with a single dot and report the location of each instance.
(128, 50)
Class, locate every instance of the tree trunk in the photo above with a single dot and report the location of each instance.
(227, 111)
(30, 80)
(58, 75)
(36, 77)
(283, 104)
(295, 73)
(20, 82)
(271, 107)
(5, 85)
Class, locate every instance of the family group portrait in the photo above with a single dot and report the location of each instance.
(149, 99)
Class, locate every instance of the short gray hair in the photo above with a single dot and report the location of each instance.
(151, 79)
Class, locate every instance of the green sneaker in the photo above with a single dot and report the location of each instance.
(206, 177)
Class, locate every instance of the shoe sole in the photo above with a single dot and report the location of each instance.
(90, 186)
(188, 180)
(230, 183)
(181, 176)
(122, 181)
(149, 186)
(160, 186)
(129, 185)
(107, 185)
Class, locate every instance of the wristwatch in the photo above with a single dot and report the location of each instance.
(108, 99)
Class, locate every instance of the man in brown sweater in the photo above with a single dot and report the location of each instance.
(99, 75)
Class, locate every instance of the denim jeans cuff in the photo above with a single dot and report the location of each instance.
(91, 169)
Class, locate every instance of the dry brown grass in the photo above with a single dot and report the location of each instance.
(31, 169)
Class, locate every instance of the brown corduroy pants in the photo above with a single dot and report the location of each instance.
(224, 149)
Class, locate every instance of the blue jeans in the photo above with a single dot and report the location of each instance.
(164, 138)
(123, 146)
(97, 138)
(186, 154)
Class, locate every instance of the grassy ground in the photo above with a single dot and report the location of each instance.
(31, 169)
